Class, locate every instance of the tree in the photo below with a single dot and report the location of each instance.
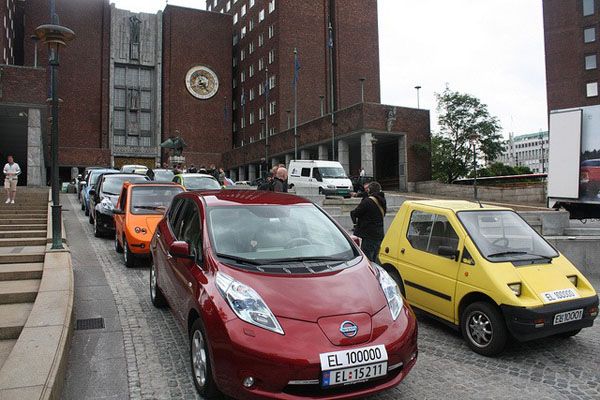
(500, 169)
(461, 117)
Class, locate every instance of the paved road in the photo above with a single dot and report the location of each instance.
(142, 354)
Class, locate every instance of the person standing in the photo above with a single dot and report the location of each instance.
(11, 174)
(221, 177)
(367, 218)
(280, 183)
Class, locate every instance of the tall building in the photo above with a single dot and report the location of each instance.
(220, 78)
(529, 150)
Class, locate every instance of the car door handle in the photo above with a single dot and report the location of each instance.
(402, 251)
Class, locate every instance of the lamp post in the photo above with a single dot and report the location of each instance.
(362, 89)
(473, 138)
(55, 36)
(418, 97)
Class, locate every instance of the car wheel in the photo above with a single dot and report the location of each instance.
(566, 335)
(97, 231)
(118, 247)
(201, 366)
(128, 256)
(156, 295)
(484, 329)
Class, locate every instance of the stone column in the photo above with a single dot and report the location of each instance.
(323, 154)
(241, 174)
(251, 172)
(233, 175)
(288, 158)
(344, 155)
(35, 162)
(402, 164)
(305, 155)
(366, 153)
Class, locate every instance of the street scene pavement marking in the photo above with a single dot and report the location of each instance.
(156, 360)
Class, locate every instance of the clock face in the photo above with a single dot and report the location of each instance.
(202, 82)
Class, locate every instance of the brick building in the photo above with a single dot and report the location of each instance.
(220, 78)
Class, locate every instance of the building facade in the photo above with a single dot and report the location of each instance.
(531, 150)
(245, 83)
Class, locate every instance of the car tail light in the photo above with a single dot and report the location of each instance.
(593, 311)
(573, 279)
(539, 323)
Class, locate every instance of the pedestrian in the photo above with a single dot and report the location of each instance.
(203, 170)
(367, 218)
(280, 183)
(192, 169)
(362, 172)
(11, 178)
(267, 184)
(221, 177)
(213, 171)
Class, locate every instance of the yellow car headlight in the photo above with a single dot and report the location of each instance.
(573, 279)
(516, 288)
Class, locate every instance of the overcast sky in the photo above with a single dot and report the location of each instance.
(492, 49)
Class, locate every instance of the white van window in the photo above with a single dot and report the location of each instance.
(305, 172)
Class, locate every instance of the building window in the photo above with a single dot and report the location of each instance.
(243, 76)
(590, 62)
(228, 7)
(251, 48)
(272, 82)
(261, 16)
(261, 113)
(243, 33)
(250, 24)
(251, 94)
(271, 31)
(235, 18)
(243, 10)
(271, 56)
(251, 70)
(251, 4)
(242, 54)
(261, 89)
(234, 83)
(242, 123)
(252, 118)
(588, 7)
(261, 64)
(271, 6)
(592, 89)
(236, 39)
(272, 107)
(589, 35)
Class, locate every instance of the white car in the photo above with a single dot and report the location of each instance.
(326, 177)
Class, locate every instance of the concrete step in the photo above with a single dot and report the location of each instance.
(23, 234)
(21, 271)
(21, 227)
(23, 291)
(6, 347)
(33, 211)
(20, 242)
(18, 221)
(582, 231)
(28, 254)
(13, 318)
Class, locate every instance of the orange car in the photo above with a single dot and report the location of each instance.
(139, 209)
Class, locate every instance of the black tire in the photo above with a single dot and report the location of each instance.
(97, 231)
(566, 335)
(128, 256)
(118, 247)
(207, 388)
(156, 295)
(484, 329)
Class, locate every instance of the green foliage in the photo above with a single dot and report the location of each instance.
(462, 116)
(500, 169)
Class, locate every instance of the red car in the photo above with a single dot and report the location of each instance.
(590, 178)
(279, 302)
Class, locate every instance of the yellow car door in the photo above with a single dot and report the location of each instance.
(429, 262)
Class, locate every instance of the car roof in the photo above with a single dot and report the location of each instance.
(235, 197)
(121, 175)
(456, 205)
(152, 183)
(187, 175)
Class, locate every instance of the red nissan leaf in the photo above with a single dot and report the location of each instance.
(279, 302)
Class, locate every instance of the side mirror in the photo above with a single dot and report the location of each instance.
(447, 251)
(118, 211)
(181, 250)
(92, 193)
(356, 240)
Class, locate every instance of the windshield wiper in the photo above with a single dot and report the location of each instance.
(301, 259)
(507, 253)
(238, 259)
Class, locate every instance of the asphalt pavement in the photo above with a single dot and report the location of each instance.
(141, 352)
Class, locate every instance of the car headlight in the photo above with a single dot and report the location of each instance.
(391, 290)
(247, 304)
(330, 186)
(107, 204)
(516, 288)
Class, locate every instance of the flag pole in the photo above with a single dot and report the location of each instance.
(332, 91)
(295, 104)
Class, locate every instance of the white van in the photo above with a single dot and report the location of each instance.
(328, 177)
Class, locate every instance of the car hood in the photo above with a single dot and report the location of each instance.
(353, 290)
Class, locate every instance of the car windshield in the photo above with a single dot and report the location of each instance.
(163, 175)
(128, 169)
(504, 236)
(112, 185)
(152, 199)
(94, 175)
(201, 183)
(332, 172)
(276, 234)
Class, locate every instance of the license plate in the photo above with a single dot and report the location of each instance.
(568, 316)
(353, 365)
(347, 376)
(559, 295)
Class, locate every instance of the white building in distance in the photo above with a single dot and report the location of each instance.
(529, 150)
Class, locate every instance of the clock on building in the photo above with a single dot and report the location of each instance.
(202, 82)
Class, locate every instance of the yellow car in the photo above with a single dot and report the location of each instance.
(484, 270)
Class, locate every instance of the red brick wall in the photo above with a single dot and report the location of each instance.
(566, 76)
(191, 38)
(23, 85)
(83, 64)
(7, 9)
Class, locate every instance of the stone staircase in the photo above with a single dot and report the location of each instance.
(22, 247)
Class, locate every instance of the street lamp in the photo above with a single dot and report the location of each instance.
(418, 97)
(473, 138)
(54, 36)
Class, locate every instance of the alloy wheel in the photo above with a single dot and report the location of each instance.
(153, 282)
(480, 329)
(199, 358)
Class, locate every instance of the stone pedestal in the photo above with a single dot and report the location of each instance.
(174, 160)
(366, 153)
(323, 153)
(344, 155)
(35, 157)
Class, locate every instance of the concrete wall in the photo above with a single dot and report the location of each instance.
(583, 252)
(530, 194)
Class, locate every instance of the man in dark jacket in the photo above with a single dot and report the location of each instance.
(368, 220)
(280, 183)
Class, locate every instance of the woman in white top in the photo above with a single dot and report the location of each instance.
(11, 173)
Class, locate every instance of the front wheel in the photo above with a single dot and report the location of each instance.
(128, 256)
(201, 366)
(97, 231)
(483, 328)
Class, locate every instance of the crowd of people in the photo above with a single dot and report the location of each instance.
(276, 181)
(217, 173)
